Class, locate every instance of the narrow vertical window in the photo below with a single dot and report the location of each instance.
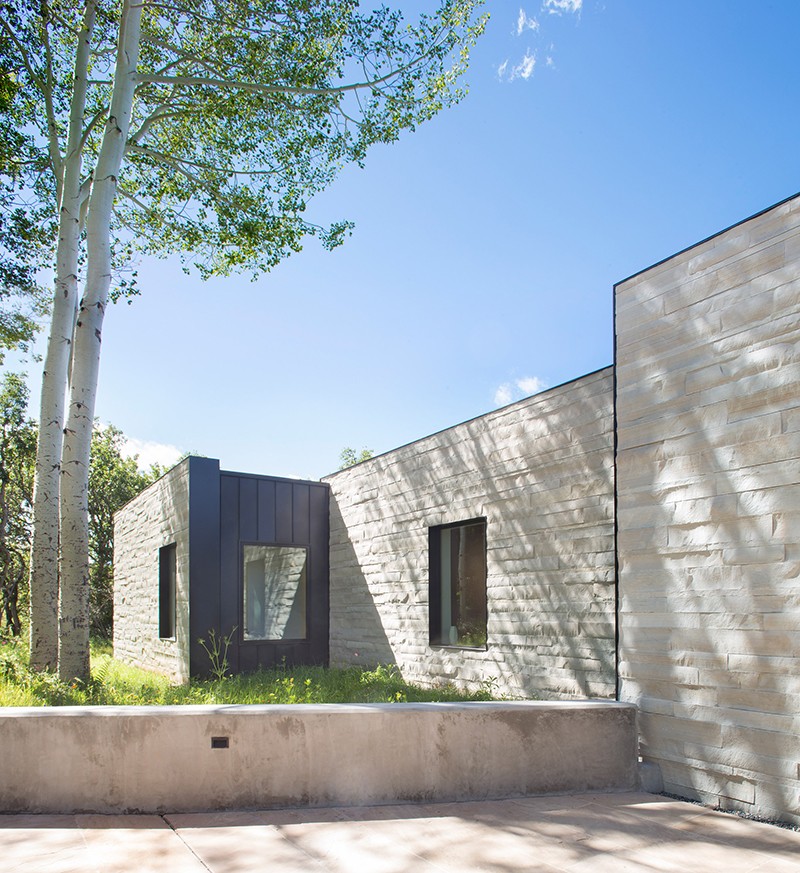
(457, 575)
(167, 571)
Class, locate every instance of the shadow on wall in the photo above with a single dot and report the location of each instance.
(541, 473)
(709, 559)
(360, 637)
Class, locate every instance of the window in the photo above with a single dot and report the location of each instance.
(458, 584)
(274, 586)
(166, 591)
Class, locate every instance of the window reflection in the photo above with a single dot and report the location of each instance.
(458, 584)
(274, 592)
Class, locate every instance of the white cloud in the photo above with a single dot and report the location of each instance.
(508, 71)
(524, 69)
(503, 395)
(531, 385)
(150, 453)
(558, 7)
(525, 23)
(519, 388)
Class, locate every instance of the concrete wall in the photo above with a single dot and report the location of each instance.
(158, 517)
(541, 473)
(708, 472)
(161, 759)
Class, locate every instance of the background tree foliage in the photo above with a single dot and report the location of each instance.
(349, 457)
(17, 455)
(26, 233)
(113, 481)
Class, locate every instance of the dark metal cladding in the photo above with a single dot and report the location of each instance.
(228, 510)
(204, 567)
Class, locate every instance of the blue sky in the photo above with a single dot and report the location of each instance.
(597, 138)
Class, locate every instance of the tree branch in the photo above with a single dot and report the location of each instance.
(184, 56)
(176, 165)
(136, 202)
(276, 172)
(23, 53)
(52, 128)
(278, 89)
(44, 86)
(97, 117)
(160, 113)
(216, 22)
(85, 193)
(178, 214)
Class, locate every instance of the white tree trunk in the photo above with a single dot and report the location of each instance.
(73, 657)
(45, 540)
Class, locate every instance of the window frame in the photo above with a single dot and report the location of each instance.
(167, 591)
(435, 584)
(273, 641)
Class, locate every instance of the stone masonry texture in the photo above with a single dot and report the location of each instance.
(158, 517)
(708, 472)
(541, 472)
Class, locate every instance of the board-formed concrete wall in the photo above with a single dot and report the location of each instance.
(157, 518)
(708, 473)
(541, 472)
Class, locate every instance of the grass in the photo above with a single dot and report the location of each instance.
(115, 683)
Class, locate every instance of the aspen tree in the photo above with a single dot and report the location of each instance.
(201, 129)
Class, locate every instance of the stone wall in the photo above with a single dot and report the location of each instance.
(708, 471)
(156, 518)
(541, 472)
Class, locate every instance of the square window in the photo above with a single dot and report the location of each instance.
(457, 592)
(274, 588)
(167, 573)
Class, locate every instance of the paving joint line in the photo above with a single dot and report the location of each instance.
(174, 830)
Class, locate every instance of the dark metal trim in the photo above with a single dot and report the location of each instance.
(434, 560)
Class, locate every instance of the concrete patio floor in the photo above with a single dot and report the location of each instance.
(586, 832)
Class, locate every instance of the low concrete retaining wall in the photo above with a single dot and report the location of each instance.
(194, 758)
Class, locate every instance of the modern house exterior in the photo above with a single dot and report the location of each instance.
(634, 533)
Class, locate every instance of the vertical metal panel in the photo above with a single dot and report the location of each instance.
(204, 551)
(266, 511)
(248, 658)
(300, 510)
(229, 562)
(283, 512)
(248, 509)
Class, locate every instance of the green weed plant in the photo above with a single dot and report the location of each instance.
(117, 684)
